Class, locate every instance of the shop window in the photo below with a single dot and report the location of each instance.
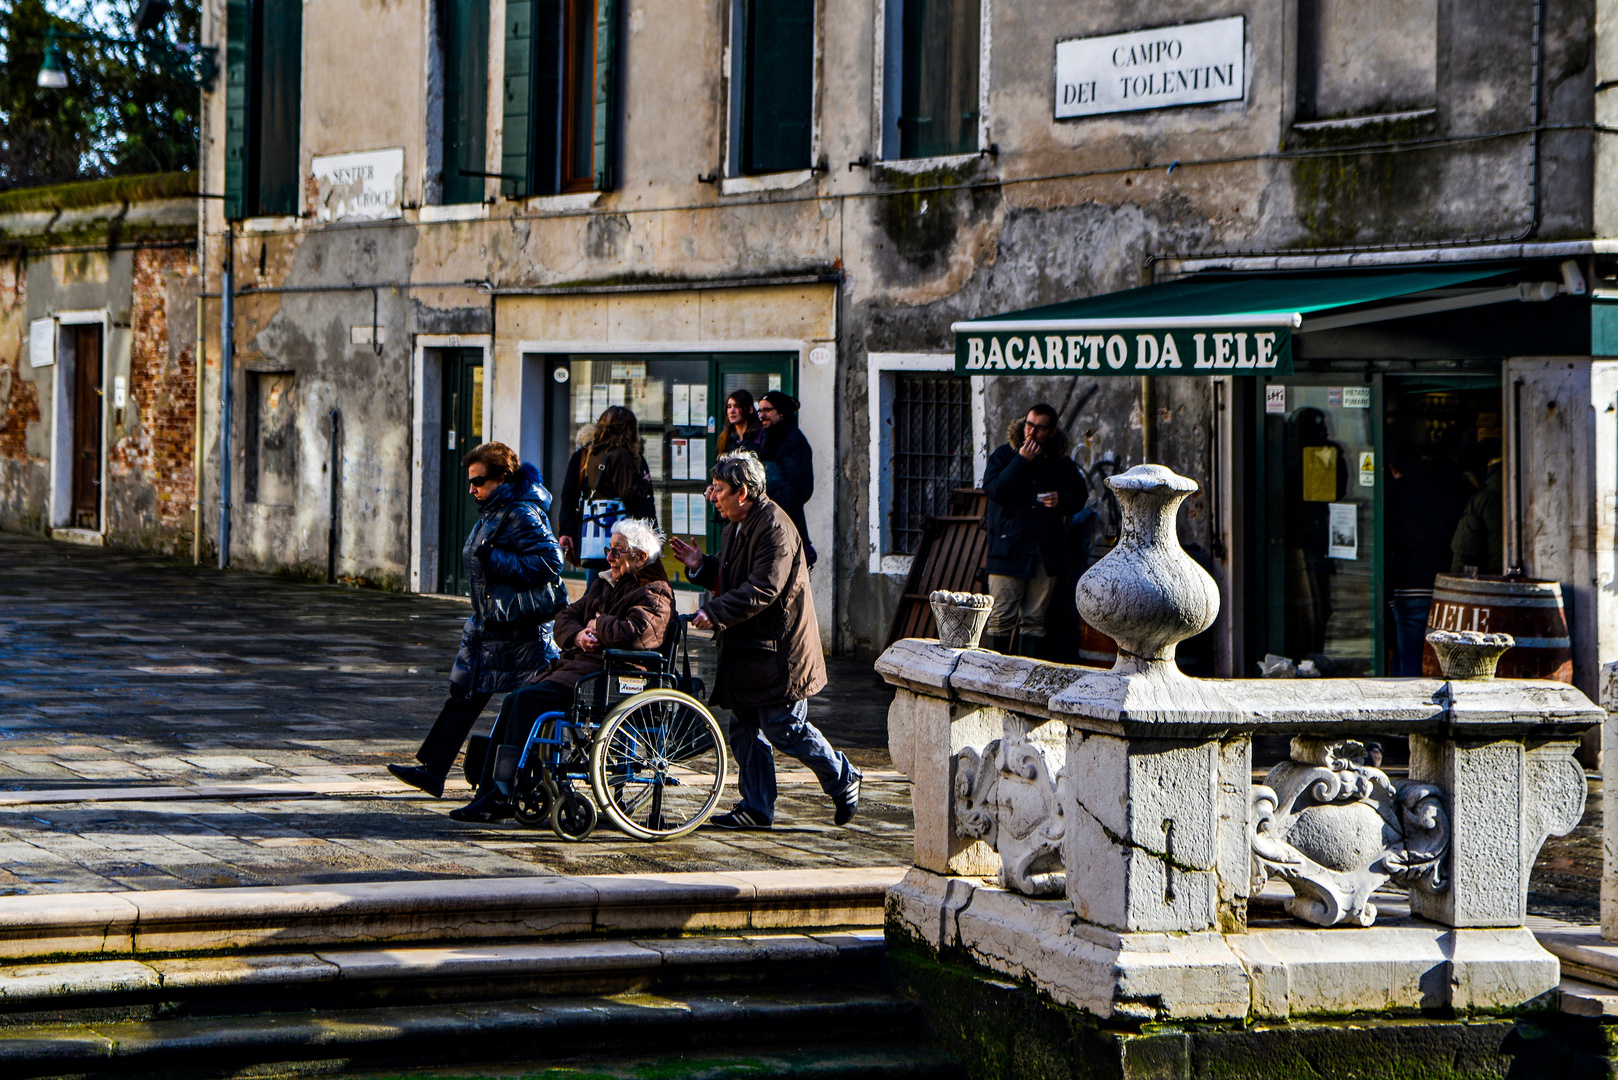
(463, 35)
(931, 101)
(270, 472)
(559, 109)
(774, 49)
(263, 105)
(1360, 58)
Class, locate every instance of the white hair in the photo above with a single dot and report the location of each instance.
(642, 534)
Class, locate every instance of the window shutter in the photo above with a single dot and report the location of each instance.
(279, 105)
(606, 94)
(466, 96)
(778, 101)
(236, 111)
(517, 117)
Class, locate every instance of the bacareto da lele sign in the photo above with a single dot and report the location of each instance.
(1215, 346)
(1190, 64)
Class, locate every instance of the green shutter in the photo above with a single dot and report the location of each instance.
(778, 82)
(466, 96)
(236, 111)
(606, 94)
(279, 98)
(517, 123)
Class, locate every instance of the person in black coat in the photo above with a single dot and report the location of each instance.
(1033, 489)
(607, 465)
(789, 465)
(511, 544)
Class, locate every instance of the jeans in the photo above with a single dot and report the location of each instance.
(450, 730)
(1020, 601)
(786, 727)
(516, 720)
(1409, 631)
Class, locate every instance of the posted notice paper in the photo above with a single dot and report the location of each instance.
(679, 519)
(682, 405)
(679, 459)
(698, 514)
(1343, 534)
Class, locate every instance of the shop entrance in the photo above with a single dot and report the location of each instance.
(461, 410)
(87, 412)
(679, 402)
(1361, 482)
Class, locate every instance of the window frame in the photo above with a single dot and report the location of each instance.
(882, 370)
(437, 164)
(244, 100)
(888, 89)
(736, 109)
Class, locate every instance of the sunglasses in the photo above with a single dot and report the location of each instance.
(479, 481)
(617, 552)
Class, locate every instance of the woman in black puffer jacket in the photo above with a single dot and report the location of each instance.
(511, 544)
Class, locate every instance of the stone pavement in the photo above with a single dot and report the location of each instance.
(167, 726)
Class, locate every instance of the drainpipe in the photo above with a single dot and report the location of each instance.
(199, 366)
(227, 361)
(331, 529)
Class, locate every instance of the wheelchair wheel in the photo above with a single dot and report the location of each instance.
(573, 816)
(532, 807)
(657, 766)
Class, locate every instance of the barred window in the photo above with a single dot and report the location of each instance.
(932, 451)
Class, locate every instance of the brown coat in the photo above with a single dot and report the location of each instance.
(769, 641)
(632, 614)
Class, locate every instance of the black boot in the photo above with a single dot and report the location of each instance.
(1032, 646)
(417, 777)
(488, 806)
(1000, 643)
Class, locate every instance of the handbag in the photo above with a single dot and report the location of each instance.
(510, 608)
(600, 515)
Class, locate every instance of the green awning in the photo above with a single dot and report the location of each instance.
(1201, 326)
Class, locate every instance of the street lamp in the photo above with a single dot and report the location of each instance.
(199, 64)
(51, 74)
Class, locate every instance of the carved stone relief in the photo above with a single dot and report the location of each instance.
(1336, 829)
(1006, 797)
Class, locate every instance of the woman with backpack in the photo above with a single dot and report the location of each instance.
(606, 479)
(510, 556)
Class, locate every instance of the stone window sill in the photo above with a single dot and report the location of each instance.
(928, 164)
(455, 212)
(751, 185)
(270, 224)
(561, 204)
(1350, 122)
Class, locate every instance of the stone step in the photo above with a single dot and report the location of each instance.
(190, 922)
(346, 978)
(661, 1026)
(893, 1061)
(1584, 954)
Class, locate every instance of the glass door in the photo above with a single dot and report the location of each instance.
(461, 407)
(1319, 512)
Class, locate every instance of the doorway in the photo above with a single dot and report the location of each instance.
(1360, 482)
(461, 407)
(87, 419)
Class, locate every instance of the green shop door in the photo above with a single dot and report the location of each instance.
(1317, 569)
(462, 410)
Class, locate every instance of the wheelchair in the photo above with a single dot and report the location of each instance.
(634, 746)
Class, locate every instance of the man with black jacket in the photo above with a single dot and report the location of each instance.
(789, 465)
(1033, 489)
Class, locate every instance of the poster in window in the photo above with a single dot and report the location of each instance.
(598, 401)
(679, 459)
(1319, 473)
(653, 450)
(697, 467)
(617, 394)
(646, 398)
(1343, 539)
(679, 518)
(682, 405)
(699, 404)
(698, 513)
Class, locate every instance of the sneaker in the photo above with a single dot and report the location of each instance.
(740, 818)
(849, 804)
(417, 777)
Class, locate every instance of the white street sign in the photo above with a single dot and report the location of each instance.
(1191, 64)
(359, 187)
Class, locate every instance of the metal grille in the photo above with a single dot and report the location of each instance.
(932, 451)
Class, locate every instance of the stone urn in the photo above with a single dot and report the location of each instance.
(960, 616)
(1468, 654)
(1147, 594)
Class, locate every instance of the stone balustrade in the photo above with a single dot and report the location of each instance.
(1099, 834)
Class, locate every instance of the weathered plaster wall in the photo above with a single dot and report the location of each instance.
(24, 472)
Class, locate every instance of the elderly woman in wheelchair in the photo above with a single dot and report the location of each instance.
(629, 607)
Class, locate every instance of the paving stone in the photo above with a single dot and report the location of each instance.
(185, 681)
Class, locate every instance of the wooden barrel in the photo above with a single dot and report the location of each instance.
(1530, 611)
